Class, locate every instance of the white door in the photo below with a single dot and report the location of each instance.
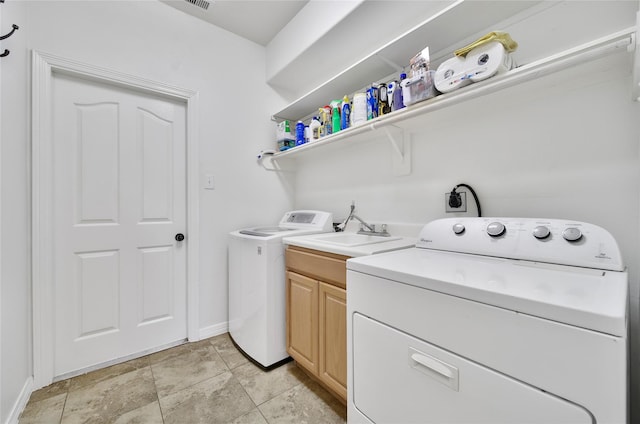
(118, 202)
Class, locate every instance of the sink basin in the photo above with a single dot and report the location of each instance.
(352, 240)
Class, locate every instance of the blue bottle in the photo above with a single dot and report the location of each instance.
(398, 102)
(299, 133)
(372, 103)
(346, 113)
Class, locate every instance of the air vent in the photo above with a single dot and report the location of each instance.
(203, 4)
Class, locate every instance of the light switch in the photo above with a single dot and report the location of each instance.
(209, 183)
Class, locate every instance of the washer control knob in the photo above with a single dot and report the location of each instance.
(495, 229)
(458, 228)
(572, 234)
(541, 232)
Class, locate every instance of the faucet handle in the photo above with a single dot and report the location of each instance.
(364, 229)
(384, 228)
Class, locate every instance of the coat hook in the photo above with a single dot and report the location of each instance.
(5, 53)
(15, 27)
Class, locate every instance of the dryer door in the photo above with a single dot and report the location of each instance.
(399, 378)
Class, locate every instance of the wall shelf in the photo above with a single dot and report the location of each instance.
(392, 123)
(456, 21)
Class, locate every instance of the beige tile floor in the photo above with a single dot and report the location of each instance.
(209, 381)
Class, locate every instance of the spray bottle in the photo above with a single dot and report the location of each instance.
(328, 128)
(335, 117)
(322, 115)
(346, 113)
(398, 102)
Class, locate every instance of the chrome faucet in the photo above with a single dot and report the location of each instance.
(365, 228)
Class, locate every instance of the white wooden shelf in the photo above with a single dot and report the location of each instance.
(457, 21)
(392, 123)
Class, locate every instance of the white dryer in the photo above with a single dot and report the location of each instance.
(490, 320)
(257, 284)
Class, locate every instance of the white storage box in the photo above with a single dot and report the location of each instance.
(418, 88)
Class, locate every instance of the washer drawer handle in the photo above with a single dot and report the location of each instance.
(432, 364)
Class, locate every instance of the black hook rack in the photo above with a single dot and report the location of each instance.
(14, 29)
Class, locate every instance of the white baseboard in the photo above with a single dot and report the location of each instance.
(214, 330)
(21, 402)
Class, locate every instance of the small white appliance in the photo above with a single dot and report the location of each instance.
(257, 284)
(490, 320)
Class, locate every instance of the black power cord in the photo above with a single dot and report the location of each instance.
(455, 201)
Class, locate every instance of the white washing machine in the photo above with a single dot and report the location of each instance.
(257, 284)
(490, 320)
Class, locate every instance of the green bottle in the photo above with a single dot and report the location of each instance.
(335, 116)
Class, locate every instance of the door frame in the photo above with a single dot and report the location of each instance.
(44, 66)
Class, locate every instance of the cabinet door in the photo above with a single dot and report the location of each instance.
(333, 338)
(302, 320)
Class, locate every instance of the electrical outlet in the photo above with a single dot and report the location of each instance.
(463, 202)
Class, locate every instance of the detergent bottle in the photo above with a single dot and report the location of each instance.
(315, 126)
(346, 113)
(335, 117)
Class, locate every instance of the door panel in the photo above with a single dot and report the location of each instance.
(98, 162)
(156, 284)
(98, 283)
(156, 162)
(119, 199)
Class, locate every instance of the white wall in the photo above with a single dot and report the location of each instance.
(155, 41)
(15, 319)
(151, 40)
(565, 146)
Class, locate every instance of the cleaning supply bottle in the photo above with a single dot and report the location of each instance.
(328, 128)
(314, 127)
(335, 117)
(346, 113)
(322, 117)
(391, 88)
(372, 103)
(359, 109)
(299, 133)
(397, 94)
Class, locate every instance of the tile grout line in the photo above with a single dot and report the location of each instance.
(64, 406)
(156, 390)
(238, 381)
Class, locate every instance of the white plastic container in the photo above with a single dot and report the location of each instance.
(359, 109)
(418, 88)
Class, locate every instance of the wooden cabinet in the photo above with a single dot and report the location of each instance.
(302, 320)
(317, 315)
(332, 332)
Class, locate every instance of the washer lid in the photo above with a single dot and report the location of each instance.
(265, 231)
(582, 297)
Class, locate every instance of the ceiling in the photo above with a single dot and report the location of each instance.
(255, 20)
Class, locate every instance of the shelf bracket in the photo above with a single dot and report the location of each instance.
(636, 60)
(270, 163)
(401, 147)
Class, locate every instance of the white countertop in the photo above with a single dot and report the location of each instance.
(322, 243)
